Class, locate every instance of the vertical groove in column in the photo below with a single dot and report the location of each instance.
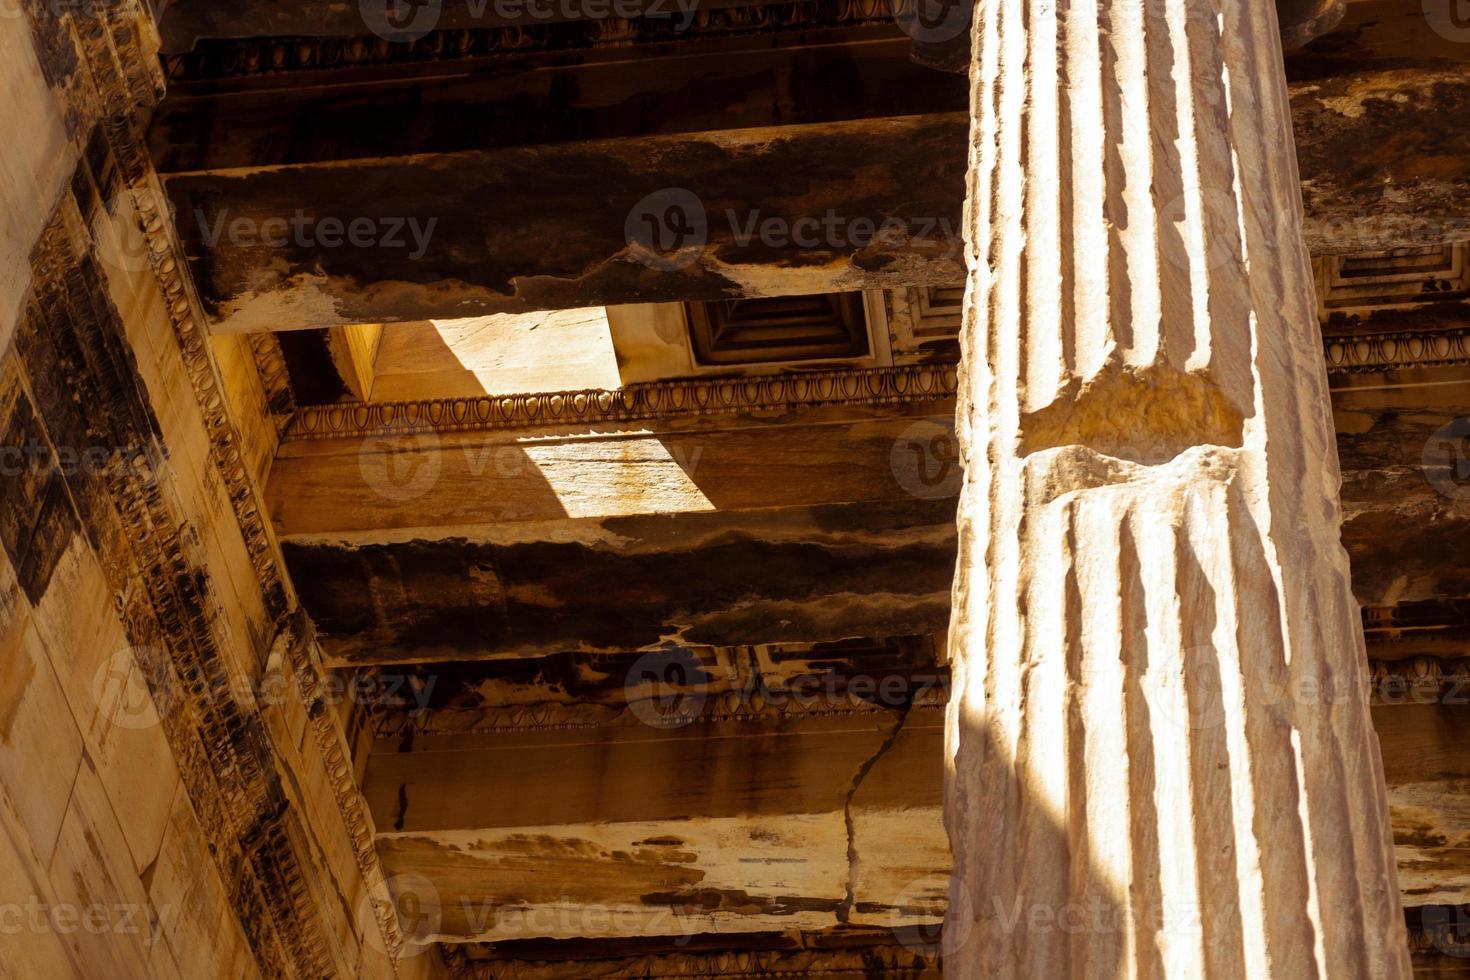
(1161, 761)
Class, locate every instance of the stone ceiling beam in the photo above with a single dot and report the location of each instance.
(782, 211)
(185, 22)
(528, 98)
(769, 521)
(425, 511)
(1405, 497)
(599, 799)
(573, 152)
(730, 824)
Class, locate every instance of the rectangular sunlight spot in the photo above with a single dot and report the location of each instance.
(637, 475)
(505, 354)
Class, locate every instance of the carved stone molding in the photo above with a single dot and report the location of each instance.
(220, 742)
(775, 708)
(1437, 274)
(888, 960)
(778, 329)
(297, 641)
(1354, 354)
(213, 59)
(74, 355)
(1397, 278)
(270, 364)
(1420, 680)
(654, 400)
(924, 322)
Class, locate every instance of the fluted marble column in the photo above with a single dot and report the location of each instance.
(1161, 758)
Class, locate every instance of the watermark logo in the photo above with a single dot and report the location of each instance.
(415, 903)
(668, 229)
(1447, 927)
(401, 21)
(121, 691)
(409, 235)
(1190, 697)
(96, 918)
(34, 456)
(666, 688)
(134, 687)
(122, 244)
(400, 467)
(1450, 19)
(1209, 236)
(920, 920)
(407, 21)
(925, 460)
(931, 21)
(1446, 459)
(835, 231)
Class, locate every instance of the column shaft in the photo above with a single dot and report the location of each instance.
(1161, 761)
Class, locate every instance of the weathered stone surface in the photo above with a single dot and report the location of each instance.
(33, 170)
(736, 822)
(844, 952)
(1406, 504)
(784, 575)
(1429, 797)
(1150, 569)
(142, 586)
(1374, 107)
(448, 231)
(226, 834)
(779, 524)
(698, 771)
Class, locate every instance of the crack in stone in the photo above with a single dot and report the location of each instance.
(844, 910)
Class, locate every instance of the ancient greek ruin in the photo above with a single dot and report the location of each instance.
(652, 489)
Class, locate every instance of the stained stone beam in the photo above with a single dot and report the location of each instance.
(1382, 161)
(1374, 107)
(183, 23)
(706, 216)
(534, 97)
(419, 515)
(808, 524)
(733, 824)
(599, 796)
(1405, 492)
(1426, 773)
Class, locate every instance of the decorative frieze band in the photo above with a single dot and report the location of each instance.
(678, 713)
(655, 400)
(717, 396)
(212, 59)
(1391, 351)
(1420, 680)
(892, 959)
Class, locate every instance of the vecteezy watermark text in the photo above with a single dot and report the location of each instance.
(33, 456)
(136, 687)
(95, 918)
(406, 21)
(669, 229)
(305, 231)
(670, 688)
